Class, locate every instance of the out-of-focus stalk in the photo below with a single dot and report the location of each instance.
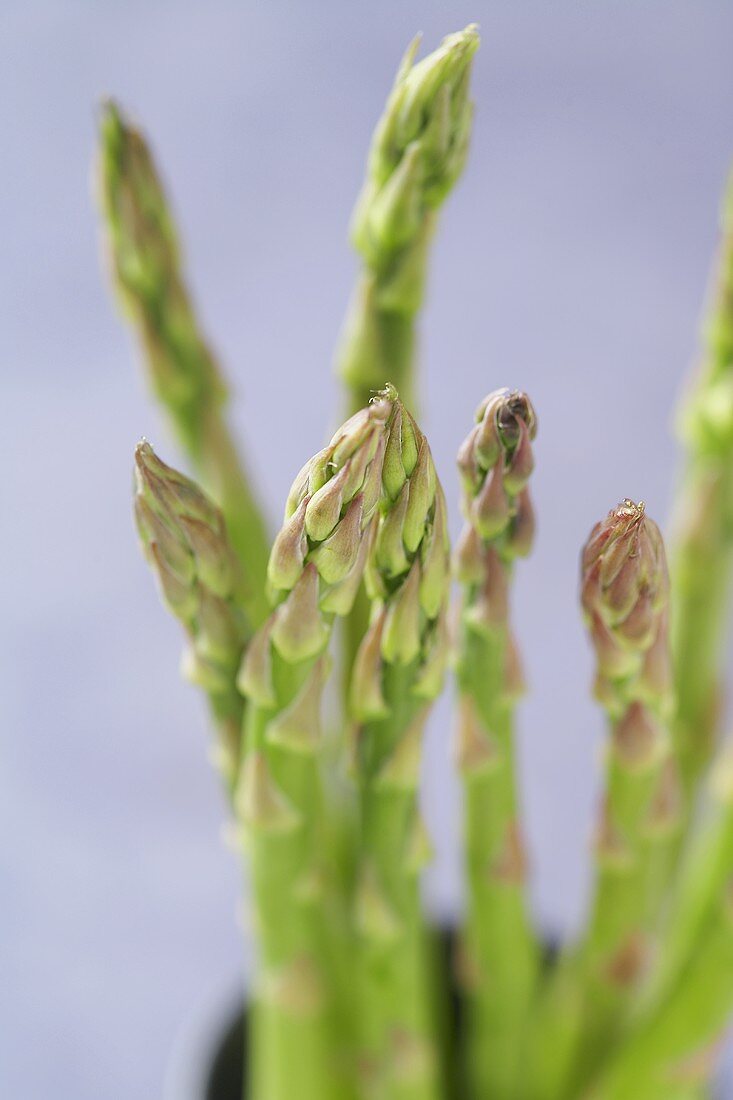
(495, 463)
(147, 273)
(707, 868)
(625, 595)
(674, 1049)
(701, 554)
(591, 989)
(398, 672)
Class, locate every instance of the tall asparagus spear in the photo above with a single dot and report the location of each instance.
(398, 672)
(495, 463)
(418, 152)
(148, 278)
(315, 567)
(185, 540)
(625, 599)
(702, 547)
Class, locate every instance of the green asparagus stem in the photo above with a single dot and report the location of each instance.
(398, 672)
(495, 463)
(668, 1043)
(702, 545)
(418, 152)
(146, 269)
(706, 869)
(676, 1046)
(315, 568)
(185, 540)
(591, 988)
(625, 600)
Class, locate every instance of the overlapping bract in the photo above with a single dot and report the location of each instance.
(625, 594)
(418, 149)
(495, 462)
(185, 540)
(418, 152)
(406, 574)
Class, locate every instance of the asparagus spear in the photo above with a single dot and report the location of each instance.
(706, 869)
(418, 152)
(625, 597)
(672, 1041)
(146, 269)
(314, 570)
(398, 672)
(702, 546)
(676, 1046)
(495, 463)
(185, 540)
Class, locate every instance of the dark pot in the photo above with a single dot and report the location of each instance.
(210, 1056)
(226, 1070)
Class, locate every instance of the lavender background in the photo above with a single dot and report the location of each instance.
(571, 262)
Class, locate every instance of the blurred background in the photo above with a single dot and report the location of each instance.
(571, 262)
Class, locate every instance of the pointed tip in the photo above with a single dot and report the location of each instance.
(112, 122)
(726, 210)
(408, 58)
(109, 108)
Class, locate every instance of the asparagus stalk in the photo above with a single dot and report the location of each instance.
(398, 672)
(148, 278)
(418, 152)
(315, 567)
(625, 597)
(706, 869)
(672, 1042)
(675, 1049)
(702, 546)
(495, 463)
(185, 541)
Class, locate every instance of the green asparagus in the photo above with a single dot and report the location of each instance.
(349, 1002)
(314, 570)
(146, 269)
(702, 546)
(185, 540)
(397, 673)
(418, 152)
(495, 462)
(625, 600)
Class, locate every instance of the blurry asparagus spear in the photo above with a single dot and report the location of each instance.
(625, 595)
(702, 545)
(148, 278)
(673, 1038)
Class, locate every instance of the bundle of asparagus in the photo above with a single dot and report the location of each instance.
(351, 997)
